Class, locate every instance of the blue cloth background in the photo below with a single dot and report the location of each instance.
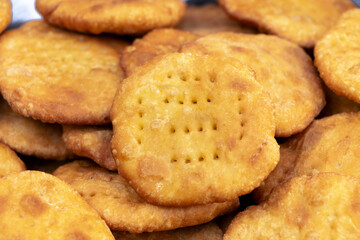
(24, 10)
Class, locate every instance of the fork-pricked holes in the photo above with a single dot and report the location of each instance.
(216, 156)
(141, 114)
(172, 130)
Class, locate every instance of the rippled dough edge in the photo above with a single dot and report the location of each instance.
(337, 56)
(324, 206)
(119, 16)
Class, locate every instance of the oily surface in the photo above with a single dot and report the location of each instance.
(325, 206)
(122, 209)
(91, 142)
(329, 145)
(9, 161)
(209, 18)
(303, 22)
(199, 112)
(36, 205)
(117, 16)
(76, 86)
(281, 67)
(5, 14)
(156, 42)
(31, 137)
(209, 231)
(337, 56)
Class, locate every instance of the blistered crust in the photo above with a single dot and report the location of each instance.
(209, 18)
(119, 16)
(123, 210)
(91, 142)
(323, 206)
(9, 161)
(285, 71)
(195, 121)
(303, 22)
(155, 43)
(337, 56)
(30, 137)
(329, 145)
(57, 76)
(36, 205)
(5, 14)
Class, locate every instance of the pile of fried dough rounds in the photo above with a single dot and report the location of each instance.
(150, 119)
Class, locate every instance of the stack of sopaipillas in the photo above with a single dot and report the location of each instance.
(166, 114)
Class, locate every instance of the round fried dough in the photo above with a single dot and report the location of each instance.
(9, 161)
(281, 67)
(36, 205)
(209, 231)
(157, 42)
(325, 206)
(5, 14)
(122, 209)
(330, 144)
(119, 16)
(301, 21)
(57, 76)
(337, 56)
(91, 142)
(193, 130)
(209, 18)
(31, 137)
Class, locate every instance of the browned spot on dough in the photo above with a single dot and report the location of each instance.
(32, 205)
(254, 158)
(239, 49)
(77, 236)
(47, 185)
(241, 86)
(231, 143)
(152, 167)
(355, 69)
(299, 216)
(3, 201)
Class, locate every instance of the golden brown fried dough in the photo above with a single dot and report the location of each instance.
(281, 67)
(338, 104)
(36, 205)
(5, 14)
(119, 16)
(325, 206)
(301, 21)
(330, 144)
(210, 18)
(124, 210)
(337, 56)
(209, 231)
(9, 161)
(91, 142)
(157, 42)
(57, 76)
(31, 137)
(193, 130)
